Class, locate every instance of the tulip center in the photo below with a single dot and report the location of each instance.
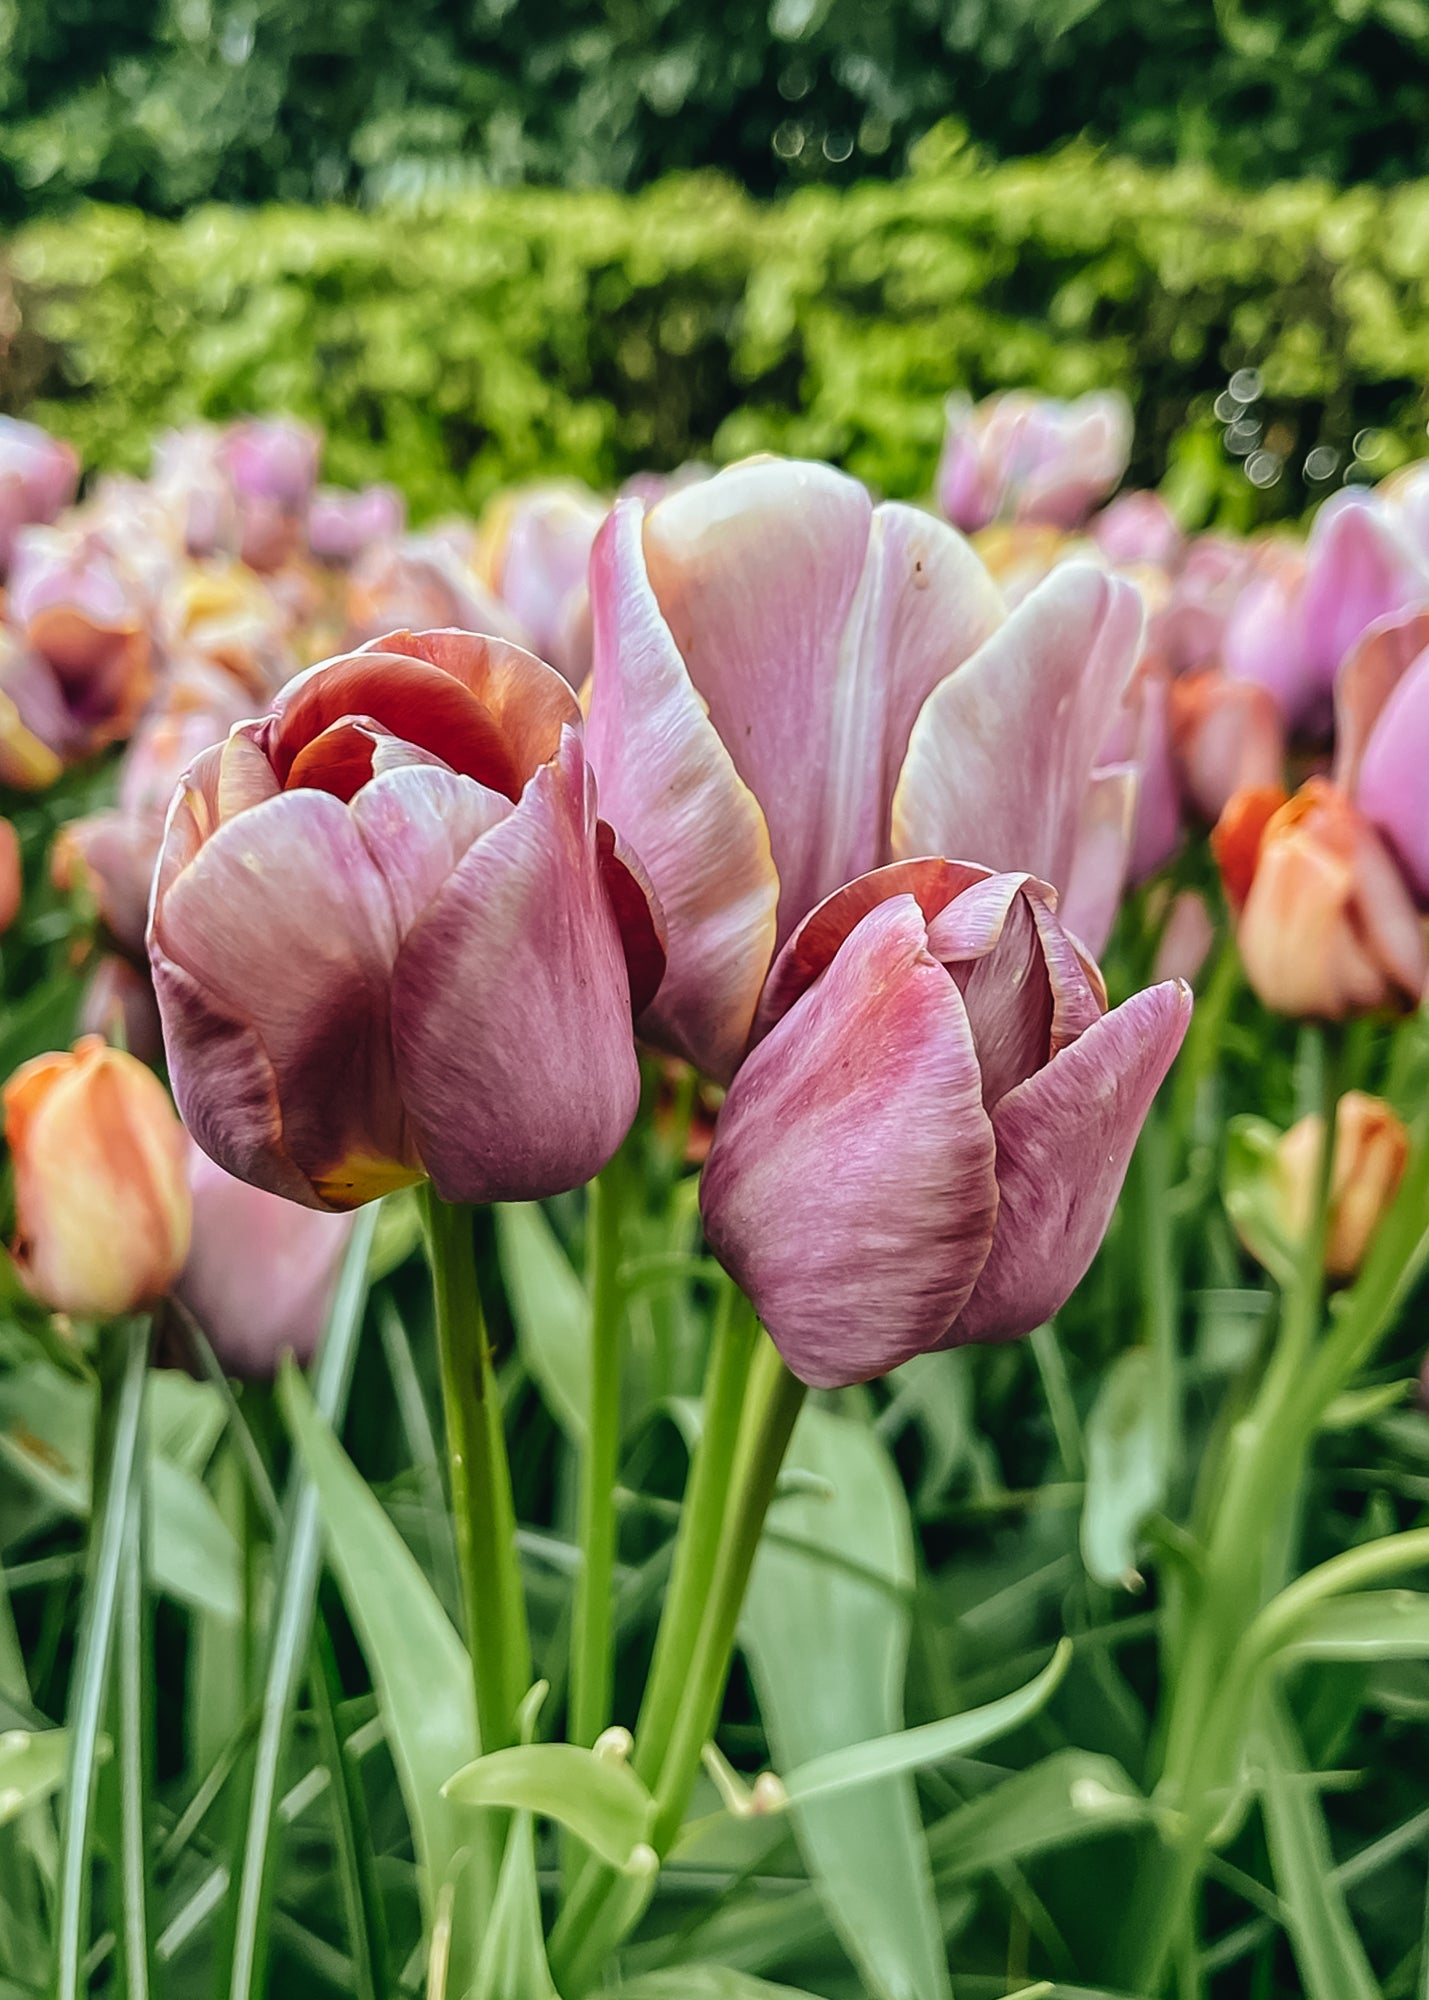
(408, 699)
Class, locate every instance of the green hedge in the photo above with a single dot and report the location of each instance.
(523, 331)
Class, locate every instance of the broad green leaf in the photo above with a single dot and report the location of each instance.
(599, 1799)
(906, 1750)
(826, 1629)
(418, 1663)
(513, 1964)
(31, 1767)
(194, 1556)
(1070, 1796)
(1327, 1948)
(703, 1982)
(1126, 1465)
(1368, 1625)
(551, 1311)
(185, 1418)
(1253, 1195)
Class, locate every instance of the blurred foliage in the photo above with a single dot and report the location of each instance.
(457, 345)
(171, 102)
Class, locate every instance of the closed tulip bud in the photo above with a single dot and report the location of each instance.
(101, 1189)
(421, 583)
(38, 476)
(926, 1142)
(1226, 735)
(1371, 1153)
(118, 1004)
(1325, 924)
(12, 886)
(273, 459)
(261, 1271)
(391, 939)
(1032, 458)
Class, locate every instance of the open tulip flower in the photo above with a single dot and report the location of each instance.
(791, 686)
(1025, 457)
(390, 938)
(86, 667)
(925, 1145)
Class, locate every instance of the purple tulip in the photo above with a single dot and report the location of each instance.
(1382, 738)
(791, 686)
(1023, 457)
(273, 459)
(261, 1272)
(1138, 530)
(926, 1144)
(342, 524)
(390, 938)
(38, 477)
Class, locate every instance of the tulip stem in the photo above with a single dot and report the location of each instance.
(592, 1663)
(493, 1600)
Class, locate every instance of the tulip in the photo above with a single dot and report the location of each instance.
(118, 1005)
(422, 582)
(101, 1193)
(1140, 742)
(1325, 923)
(1371, 1153)
(1226, 735)
(1188, 629)
(1186, 939)
(1032, 458)
(791, 686)
(260, 1273)
(1264, 643)
(86, 672)
(191, 479)
(12, 885)
(390, 938)
(1018, 555)
(272, 459)
(1382, 738)
(225, 615)
(342, 524)
(926, 1142)
(536, 556)
(38, 476)
(1138, 529)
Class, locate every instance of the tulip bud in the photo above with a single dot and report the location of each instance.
(12, 887)
(1371, 1152)
(38, 475)
(1225, 735)
(101, 1192)
(1325, 922)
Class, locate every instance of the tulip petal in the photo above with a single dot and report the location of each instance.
(1365, 683)
(1004, 749)
(285, 929)
(668, 783)
(530, 701)
(1102, 857)
(636, 909)
(850, 1188)
(413, 700)
(510, 998)
(418, 822)
(1009, 1000)
(1064, 1141)
(1393, 789)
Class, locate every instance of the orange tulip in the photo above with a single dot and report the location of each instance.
(102, 1200)
(1325, 923)
(1371, 1152)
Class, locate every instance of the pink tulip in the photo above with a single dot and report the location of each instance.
(1025, 457)
(925, 1145)
(342, 524)
(1186, 939)
(1138, 529)
(87, 669)
(423, 582)
(118, 1005)
(261, 1272)
(191, 479)
(1382, 738)
(273, 459)
(38, 477)
(1187, 630)
(538, 565)
(1264, 643)
(1225, 735)
(391, 939)
(791, 686)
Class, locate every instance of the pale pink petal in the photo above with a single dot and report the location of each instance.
(1100, 861)
(1365, 682)
(668, 785)
(1064, 1141)
(1004, 750)
(850, 1187)
(1393, 787)
(510, 999)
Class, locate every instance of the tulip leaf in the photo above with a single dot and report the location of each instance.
(703, 1982)
(1369, 1625)
(1327, 1948)
(513, 1945)
(1126, 1466)
(31, 1768)
(1071, 1796)
(599, 1799)
(194, 1555)
(551, 1311)
(417, 1662)
(841, 1771)
(826, 1631)
(1253, 1196)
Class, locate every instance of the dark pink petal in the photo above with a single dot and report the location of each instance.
(417, 824)
(850, 1188)
(637, 912)
(1009, 1000)
(511, 1006)
(1078, 996)
(1064, 1140)
(669, 786)
(1004, 750)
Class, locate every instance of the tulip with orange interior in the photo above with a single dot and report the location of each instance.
(791, 686)
(1325, 923)
(391, 940)
(102, 1205)
(1371, 1153)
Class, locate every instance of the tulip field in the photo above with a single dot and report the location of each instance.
(718, 1200)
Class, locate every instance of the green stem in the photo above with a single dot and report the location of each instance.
(592, 1664)
(136, 1759)
(123, 1364)
(492, 1595)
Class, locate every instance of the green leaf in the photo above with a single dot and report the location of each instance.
(826, 1630)
(1070, 1796)
(551, 1311)
(1253, 1197)
(931, 1743)
(31, 1767)
(513, 1964)
(194, 1556)
(599, 1799)
(1369, 1625)
(703, 1982)
(1126, 1466)
(418, 1663)
(1327, 1948)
